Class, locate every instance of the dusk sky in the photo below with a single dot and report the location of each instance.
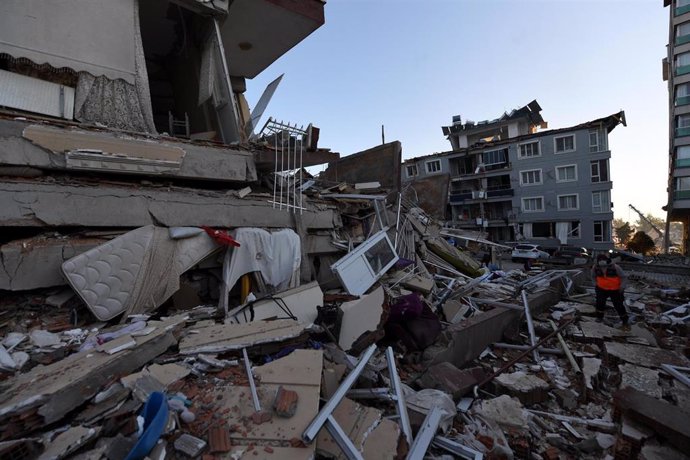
(412, 65)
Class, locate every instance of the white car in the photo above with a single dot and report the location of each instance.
(528, 251)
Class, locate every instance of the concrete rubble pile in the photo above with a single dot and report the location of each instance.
(380, 337)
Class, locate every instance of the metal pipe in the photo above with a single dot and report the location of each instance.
(530, 328)
(399, 395)
(511, 346)
(342, 440)
(566, 350)
(275, 170)
(314, 427)
(371, 393)
(301, 173)
(512, 362)
(282, 164)
(675, 371)
(252, 385)
(425, 434)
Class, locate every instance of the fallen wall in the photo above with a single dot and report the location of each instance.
(378, 164)
(432, 193)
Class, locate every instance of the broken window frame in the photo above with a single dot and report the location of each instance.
(567, 200)
(533, 199)
(413, 168)
(525, 152)
(432, 169)
(574, 230)
(558, 151)
(501, 157)
(525, 174)
(601, 201)
(566, 168)
(602, 231)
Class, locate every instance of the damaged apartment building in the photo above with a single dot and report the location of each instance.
(118, 114)
(515, 181)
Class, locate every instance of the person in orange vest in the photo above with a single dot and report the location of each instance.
(609, 281)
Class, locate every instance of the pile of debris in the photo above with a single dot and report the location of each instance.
(383, 337)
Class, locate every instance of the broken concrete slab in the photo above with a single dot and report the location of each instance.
(656, 451)
(301, 301)
(365, 428)
(44, 204)
(450, 379)
(228, 337)
(642, 355)
(49, 392)
(504, 410)
(34, 263)
(667, 420)
(69, 441)
(590, 371)
(640, 378)
(528, 388)
(360, 317)
(595, 332)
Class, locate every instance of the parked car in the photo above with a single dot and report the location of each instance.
(573, 254)
(528, 251)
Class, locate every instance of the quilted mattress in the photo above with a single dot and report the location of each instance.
(135, 272)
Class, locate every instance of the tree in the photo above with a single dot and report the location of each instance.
(644, 226)
(641, 243)
(623, 231)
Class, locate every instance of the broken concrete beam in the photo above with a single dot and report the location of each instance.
(529, 389)
(642, 355)
(34, 263)
(56, 148)
(456, 258)
(39, 203)
(47, 393)
(469, 338)
(667, 420)
(450, 379)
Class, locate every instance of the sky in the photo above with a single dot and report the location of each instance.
(411, 65)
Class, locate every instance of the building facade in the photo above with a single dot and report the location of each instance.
(676, 71)
(535, 185)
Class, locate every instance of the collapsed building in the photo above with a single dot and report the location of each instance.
(175, 284)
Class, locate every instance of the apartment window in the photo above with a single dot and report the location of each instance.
(680, 3)
(568, 202)
(533, 204)
(529, 149)
(683, 152)
(433, 166)
(566, 173)
(411, 170)
(683, 33)
(601, 201)
(530, 177)
(683, 94)
(682, 63)
(602, 230)
(495, 157)
(682, 183)
(600, 170)
(574, 229)
(597, 140)
(564, 144)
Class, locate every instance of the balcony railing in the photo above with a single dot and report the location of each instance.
(459, 197)
(681, 132)
(682, 69)
(500, 192)
(681, 195)
(682, 10)
(683, 163)
(682, 39)
(682, 100)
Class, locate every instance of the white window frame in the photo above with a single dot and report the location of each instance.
(601, 145)
(519, 148)
(599, 175)
(416, 170)
(603, 207)
(429, 162)
(594, 232)
(532, 198)
(504, 160)
(529, 184)
(577, 202)
(563, 167)
(555, 143)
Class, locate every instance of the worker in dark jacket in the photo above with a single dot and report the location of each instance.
(609, 281)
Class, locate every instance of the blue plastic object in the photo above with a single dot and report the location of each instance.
(155, 413)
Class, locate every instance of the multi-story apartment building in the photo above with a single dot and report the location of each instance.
(515, 181)
(676, 70)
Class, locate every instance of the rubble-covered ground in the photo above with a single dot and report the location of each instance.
(403, 346)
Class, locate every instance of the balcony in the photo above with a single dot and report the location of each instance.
(682, 69)
(486, 171)
(682, 100)
(681, 132)
(457, 198)
(681, 10)
(500, 192)
(681, 195)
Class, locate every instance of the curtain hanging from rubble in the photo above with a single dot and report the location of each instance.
(117, 103)
(562, 229)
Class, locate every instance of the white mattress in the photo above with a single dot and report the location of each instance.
(134, 272)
